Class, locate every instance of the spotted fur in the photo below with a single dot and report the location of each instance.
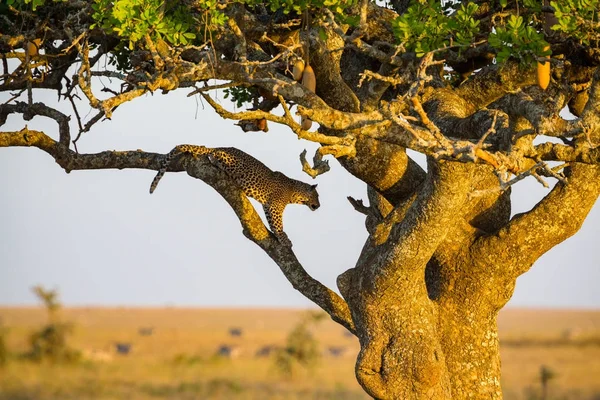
(272, 189)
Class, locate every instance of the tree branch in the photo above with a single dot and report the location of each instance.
(557, 217)
(253, 226)
(560, 214)
(256, 231)
(493, 82)
(29, 111)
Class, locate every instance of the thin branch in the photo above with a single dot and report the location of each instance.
(213, 87)
(75, 42)
(490, 131)
(88, 125)
(505, 184)
(320, 166)
(313, 136)
(70, 97)
(110, 74)
(370, 75)
(14, 96)
(286, 119)
(359, 206)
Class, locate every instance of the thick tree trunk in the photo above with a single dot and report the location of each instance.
(425, 299)
(417, 348)
(419, 342)
(471, 347)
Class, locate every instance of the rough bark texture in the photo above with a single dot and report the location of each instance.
(443, 253)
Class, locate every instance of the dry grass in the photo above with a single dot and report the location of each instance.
(567, 342)
(177, 361)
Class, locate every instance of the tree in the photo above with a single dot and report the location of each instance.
(50, 341)
(301, 348)
(465, 83)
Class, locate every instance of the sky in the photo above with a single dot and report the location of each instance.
(101, 239)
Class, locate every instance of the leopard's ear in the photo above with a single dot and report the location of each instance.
(314, 186)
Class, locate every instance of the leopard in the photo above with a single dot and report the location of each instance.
(273, 189)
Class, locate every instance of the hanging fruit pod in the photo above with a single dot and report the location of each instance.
(543, 72)
(262, 125)
(33, 47)
(306, 123)
(298, 69)
(309, 80)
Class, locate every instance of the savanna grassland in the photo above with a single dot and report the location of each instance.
(173, 355)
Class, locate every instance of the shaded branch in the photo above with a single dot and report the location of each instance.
(559, 152)
(283, 255)
(493, 82)
(360, 207)
(319, 167)
(70, 160)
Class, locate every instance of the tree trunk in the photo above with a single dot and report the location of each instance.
(425, 298)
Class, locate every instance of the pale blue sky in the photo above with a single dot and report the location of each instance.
(101, 239)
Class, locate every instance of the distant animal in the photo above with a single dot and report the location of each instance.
(146, 331)
(337, 351)
(266, 351)
(228, 351)
(123, 348)
(572, 333)
(272, 189)
(235, 332)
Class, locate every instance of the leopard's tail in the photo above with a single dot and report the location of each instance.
(182, 148)
(163, 168)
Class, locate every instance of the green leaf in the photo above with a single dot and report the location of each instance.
(322, 34)
(36, 3)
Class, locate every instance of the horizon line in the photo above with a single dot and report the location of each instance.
(266, 307)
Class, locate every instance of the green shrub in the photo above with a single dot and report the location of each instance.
(3, 348)
(50, 342)
(301, 349)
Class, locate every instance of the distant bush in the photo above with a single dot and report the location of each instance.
(301, 349)
(223, 386)
(543, 391)
(50, 342)
(3, 348)
(187, 359)
(218, 388)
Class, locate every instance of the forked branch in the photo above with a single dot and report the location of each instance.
(561, 212)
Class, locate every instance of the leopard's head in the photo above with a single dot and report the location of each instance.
(312, 198)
